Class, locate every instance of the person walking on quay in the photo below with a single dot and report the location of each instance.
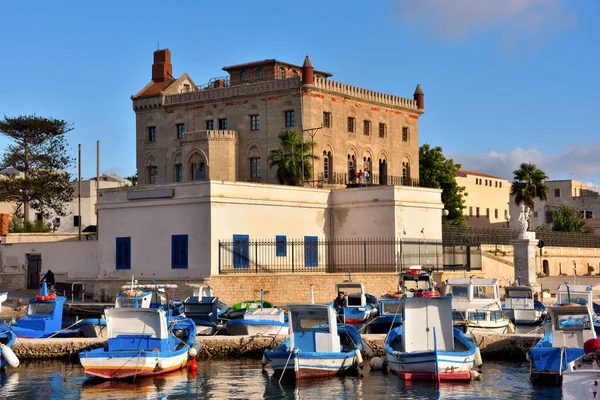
(367, 176)
(352, 174)
(49, 279)
(360, 176)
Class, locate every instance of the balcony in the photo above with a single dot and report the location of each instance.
(340, 178)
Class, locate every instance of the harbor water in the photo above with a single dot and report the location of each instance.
(245, 379)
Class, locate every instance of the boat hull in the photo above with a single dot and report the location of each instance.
(523, 316)
(580, 384)
(93, 328)
(133, 364)
(422, 366)
(240, 328)
(311, 365)
(484, 328)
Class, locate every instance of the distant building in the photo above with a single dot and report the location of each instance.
(486, 200)
(582, 196)
(70, 222)
(226, 129)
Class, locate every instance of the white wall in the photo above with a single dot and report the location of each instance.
(71, 260)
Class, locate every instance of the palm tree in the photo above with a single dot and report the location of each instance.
(293, 159)
(528, 185)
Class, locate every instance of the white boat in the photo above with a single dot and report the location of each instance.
(318, 346)
(261, 322)
(360, 307)
(205, 310)
(581, 378)
(141, 342)
(571, 326)
(413, 282)
(520, 306)
(476, 306)
(427, 346)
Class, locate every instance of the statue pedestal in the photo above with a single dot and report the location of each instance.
(525, 250)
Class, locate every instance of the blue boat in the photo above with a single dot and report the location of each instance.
(579, 294)
(389, 316)
(205, 310)
(7, 356)
(359, 307)
(571, 326)
(520, 306)
(318, 346)
(141, 342)
(260, 322)
(427, 346)
(44, 318)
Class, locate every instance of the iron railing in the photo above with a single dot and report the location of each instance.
(343, 255)
(341, 178)
(468, 234)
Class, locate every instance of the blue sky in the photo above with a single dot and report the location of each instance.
(505, 81)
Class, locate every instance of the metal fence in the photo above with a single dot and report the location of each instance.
(466, 234)
(341, 178)
(244, 256)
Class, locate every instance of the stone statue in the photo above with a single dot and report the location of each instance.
(523, 223)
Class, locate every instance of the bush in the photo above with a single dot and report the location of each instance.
(16, 226)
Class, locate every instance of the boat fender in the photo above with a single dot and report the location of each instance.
(475, 375)
(511, 327)
(194, 350)
(376, 363)
(358, 357)
(478, 359)
(9, 356)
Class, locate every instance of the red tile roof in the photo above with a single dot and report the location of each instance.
(463, 172)
(155, 88)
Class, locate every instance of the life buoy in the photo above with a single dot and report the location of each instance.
(50, 296)
(427, 294)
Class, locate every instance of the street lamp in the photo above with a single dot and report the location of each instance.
(507, 217)
(445, 212)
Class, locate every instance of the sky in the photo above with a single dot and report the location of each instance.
(505, 81)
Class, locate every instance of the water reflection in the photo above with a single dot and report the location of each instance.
(245, 379)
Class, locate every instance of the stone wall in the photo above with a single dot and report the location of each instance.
(14, 281)
(282, 289)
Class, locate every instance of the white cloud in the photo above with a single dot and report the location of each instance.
(516, 20)
(579, 162)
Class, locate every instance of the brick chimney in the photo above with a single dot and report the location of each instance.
(307, 72)
(419, 98)
(162, 70)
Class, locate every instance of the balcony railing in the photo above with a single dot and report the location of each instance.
(340, 178)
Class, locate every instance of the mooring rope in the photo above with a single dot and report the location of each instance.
(292, 351)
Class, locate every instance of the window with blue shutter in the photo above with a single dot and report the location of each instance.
(241, 251)
(123, 253)
(280, 246)
(311, 251)
(179, 251)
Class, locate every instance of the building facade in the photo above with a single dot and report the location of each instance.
(582, 196)
(486, 199)
(225, 130)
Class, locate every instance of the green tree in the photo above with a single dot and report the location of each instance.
(568, 219)
(38, 151)
(16, 225)
(133, 179)
(293, 159)
(437, 171)
(528, 185)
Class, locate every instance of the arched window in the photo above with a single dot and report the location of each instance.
(260, 73)
(281, 73)
(405, 173)
(367, 163)
(327, 166)
(244, 76)
(382, 171)
(198, 173)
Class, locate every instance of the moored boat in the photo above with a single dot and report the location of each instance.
(44, 317)
(571, 326)
(205, 310)
(141, 342)
(427, 346)
(359, 306)
(413, 282)
(261, 321)
(318, 346)
(389, 316)
(476, 306)
(581, 378)
(521, 307)
(579, 294)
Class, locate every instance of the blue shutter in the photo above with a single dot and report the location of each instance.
(179, 251)
(311, 251)
(241, 251)
(280, 246)
(123, 246)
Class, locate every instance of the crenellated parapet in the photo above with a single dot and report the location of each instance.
(245, 90)
(361, 94)
(147, 103)
(210, 135)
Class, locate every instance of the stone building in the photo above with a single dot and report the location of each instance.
(582, 196)
(486, 200)
(226, 129)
